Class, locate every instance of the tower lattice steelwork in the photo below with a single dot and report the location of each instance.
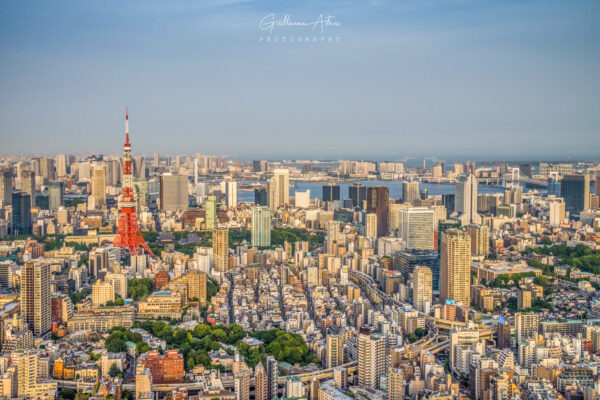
(128, 232)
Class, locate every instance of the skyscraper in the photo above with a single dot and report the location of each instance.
(242, 385)
(358, 194)
(371, 358)
(480, 239)
(378, 199)
(28, 185)
(6, 187)
(331, 192)
(261, 385)
(210, 216)
(231, 193)
(575, 190)
(417, 228)
(466, 200)
(55, 195)
(173, 192)
(455, 268)
(272, 378)
(279, 189)
(410, 191)
(261, 226)
(99, 185)
(334, 351)
(556, 212)
(406, 261)
(261, 197)
(422, 288)
(61, 165)
(21, 214)
(371, 226)
(220, 243)
(36, 303)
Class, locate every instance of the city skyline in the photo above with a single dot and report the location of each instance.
(443, 78)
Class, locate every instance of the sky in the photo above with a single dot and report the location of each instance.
(480, 79)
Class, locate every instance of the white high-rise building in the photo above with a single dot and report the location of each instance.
(465, 200)
(557, 212)
(302, 199)
(417, 227)
(231, 193)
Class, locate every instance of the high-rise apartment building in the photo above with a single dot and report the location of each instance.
(56, 193)
(575, 190)
(410, 191)
(261, 383)
(36, 302)
(526, 326)
(465, 200)
(210, 216)
(334, 352)
(455, 267)
(173, 192)
(28, 185)
(378, 199)
(371, 358)
(261, 226)
(242, 385)
(395, 384)
(21, 214)
(480, 239)
(422, 288)
(417, 228)
(272, 378)
(220, 243)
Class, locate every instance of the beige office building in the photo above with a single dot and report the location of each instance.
(220, 242)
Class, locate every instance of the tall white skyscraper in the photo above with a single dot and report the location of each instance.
(466, 200)
(231, 193)
(417, 227)
(61, 165)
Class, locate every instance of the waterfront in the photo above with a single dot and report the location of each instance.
(395, 188)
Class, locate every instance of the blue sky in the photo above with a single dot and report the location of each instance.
(475, 79)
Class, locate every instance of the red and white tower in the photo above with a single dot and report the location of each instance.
(128, 231)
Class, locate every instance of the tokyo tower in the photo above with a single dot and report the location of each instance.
(128, 231)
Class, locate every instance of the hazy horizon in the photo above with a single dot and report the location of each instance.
(454, 79)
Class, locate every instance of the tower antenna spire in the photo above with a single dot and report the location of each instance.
(127, 126)
(128, 232)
